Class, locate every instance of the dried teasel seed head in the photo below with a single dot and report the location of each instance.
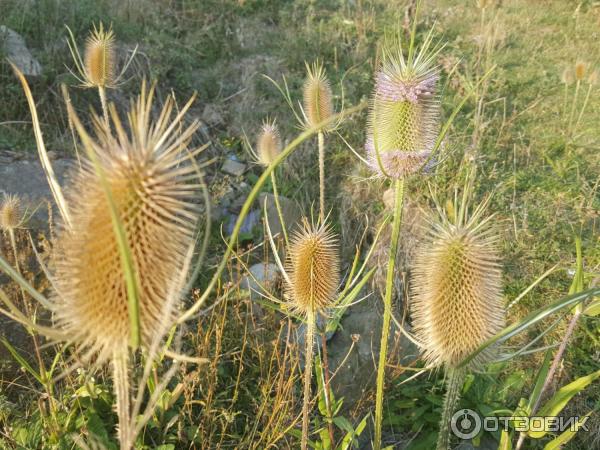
(313, 269)
(580, 70)
(405, 112)
(268, 145)
(153, 188)
(456, 290)
(100, 57)
(11, 212)
(593, 78)
(318, 99)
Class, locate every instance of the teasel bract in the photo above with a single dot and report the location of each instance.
(456, 298)
(318, 107)
(404, 115)
(312, 275)
(147, 178)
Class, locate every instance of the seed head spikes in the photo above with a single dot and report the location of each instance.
(11, 213)
(405, 111)
(313, 269)
(268, 145)
(152, 185)
(457, 291)
(318, 99)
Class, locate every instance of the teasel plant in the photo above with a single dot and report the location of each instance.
(120, 263)
(456, 297)
(97, 69)
(268, 147)
(312, 280)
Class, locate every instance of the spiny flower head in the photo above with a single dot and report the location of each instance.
(405, 111)
(100, 57)
(11, 212)
(312, 268)
(456, 290)
(269, 143)
(567, 76)
(318, 99)
(151, 180)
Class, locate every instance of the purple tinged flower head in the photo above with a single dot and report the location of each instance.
(405, 112)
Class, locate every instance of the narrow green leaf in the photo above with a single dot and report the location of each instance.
(13, 351)
(505, 441)
(565, 436)
(539, 381)
(532, 319)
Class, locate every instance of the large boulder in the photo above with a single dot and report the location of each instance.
(14, 47)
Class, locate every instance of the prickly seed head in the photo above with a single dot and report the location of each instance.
(404, 114)
(580, 70)
(269, 143)
(318, 99)
(100, 57)
(456, 291)
(312, 268)
(151, 180)
(11, 212)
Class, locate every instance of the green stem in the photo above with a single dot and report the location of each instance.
(454, 382)
(308, 359)
(585, 102)
(573, 106)
(122, 392)
(278, 207)
(387, 312)
(321, 140)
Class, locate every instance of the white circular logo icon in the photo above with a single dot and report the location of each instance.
(465, 423)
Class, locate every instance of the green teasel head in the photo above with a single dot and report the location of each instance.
(404, 117)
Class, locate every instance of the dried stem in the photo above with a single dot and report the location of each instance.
(308, 359)
(321, 140)
(387, 312)
(326, 388)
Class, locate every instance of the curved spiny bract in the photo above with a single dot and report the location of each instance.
(457, 299)
(100, 58)
(404, 116)
(313, 269)
(153, 187)
(318, 98)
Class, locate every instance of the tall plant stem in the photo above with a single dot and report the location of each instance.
(454, 382)
(102, 95)
(121, 388)
(308, 359)
(278, 207)
(387, 311)
(321, 141)
(573, 106)
(326, 387)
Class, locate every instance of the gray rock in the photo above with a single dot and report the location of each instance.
(251, 221)
(289, 211)
(16, 51)
(265, 275)
(212, 115)
(27, 179)
(234, 168)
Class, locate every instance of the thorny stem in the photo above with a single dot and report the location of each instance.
(550, 376)
(387, 312)
(121, 389)
(321, 140)
(454, 381)
(308, 359)
(102, 94)
(278, 207)
(573, 105)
